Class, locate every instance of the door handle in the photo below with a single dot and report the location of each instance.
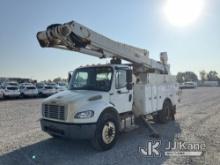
(120, 92)
(130, 97)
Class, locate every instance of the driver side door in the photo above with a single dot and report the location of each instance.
(120, 97)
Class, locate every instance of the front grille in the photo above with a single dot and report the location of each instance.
(54, 112)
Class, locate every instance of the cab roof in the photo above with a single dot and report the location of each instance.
(105, 65)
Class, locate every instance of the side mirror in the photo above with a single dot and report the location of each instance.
(129, 79)
(129, 76)
(129, 86)
(69, 77)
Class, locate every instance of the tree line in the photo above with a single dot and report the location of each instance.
(191, 76)
(181, 77)
(56, 80)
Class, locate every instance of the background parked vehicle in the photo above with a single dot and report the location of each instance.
(54, 85)
(45, 90)
(28, 91)
(188, 85)
(11, 92)
(61, 87)
(10, 83)
(26, 84)
(1, 92)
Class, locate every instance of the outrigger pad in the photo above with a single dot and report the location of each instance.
(155, 135)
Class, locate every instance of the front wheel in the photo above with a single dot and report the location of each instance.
(54, 136)
(106, 133)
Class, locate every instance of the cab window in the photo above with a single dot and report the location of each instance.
(120, 79)
(81, 79)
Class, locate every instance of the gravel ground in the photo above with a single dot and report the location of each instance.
(197, 120)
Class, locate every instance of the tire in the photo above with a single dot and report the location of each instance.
(107, 131)
(4, 97)
(165, 114)
(54, 136)
(22, 95)
(40, 95)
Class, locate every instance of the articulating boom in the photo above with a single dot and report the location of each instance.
(76, 37)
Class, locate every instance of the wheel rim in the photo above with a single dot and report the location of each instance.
(108, 132)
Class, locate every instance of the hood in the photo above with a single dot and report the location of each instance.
(73, 96)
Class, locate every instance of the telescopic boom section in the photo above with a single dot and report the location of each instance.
(76, 37)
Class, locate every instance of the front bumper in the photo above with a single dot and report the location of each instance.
(69, 130)
(30, 94)
(48, 93)
(12, 94)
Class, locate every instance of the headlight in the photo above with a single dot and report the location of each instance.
(84, 114)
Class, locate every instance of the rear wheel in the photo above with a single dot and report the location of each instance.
(106, 133)
(165, 114)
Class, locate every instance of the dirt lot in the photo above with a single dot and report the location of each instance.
(197, 120)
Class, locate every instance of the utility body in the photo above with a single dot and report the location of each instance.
(100, 97)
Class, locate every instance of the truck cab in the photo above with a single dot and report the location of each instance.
(93, 91)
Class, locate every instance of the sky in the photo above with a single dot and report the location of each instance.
(141, 23)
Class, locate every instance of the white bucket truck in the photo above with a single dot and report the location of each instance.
(101, 96)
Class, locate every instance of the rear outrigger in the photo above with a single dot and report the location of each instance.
(101, 96)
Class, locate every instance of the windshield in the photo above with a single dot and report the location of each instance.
(92, 78)
(62, 84)
(40, 85)
(48, 87)
(189, 83)
(30, 87)
(12, 84)
(12, 88)
(52, 84)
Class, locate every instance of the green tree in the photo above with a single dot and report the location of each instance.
(56, 80)
(180, 77)
(212, 76)
(186, 76)
(190, 76)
